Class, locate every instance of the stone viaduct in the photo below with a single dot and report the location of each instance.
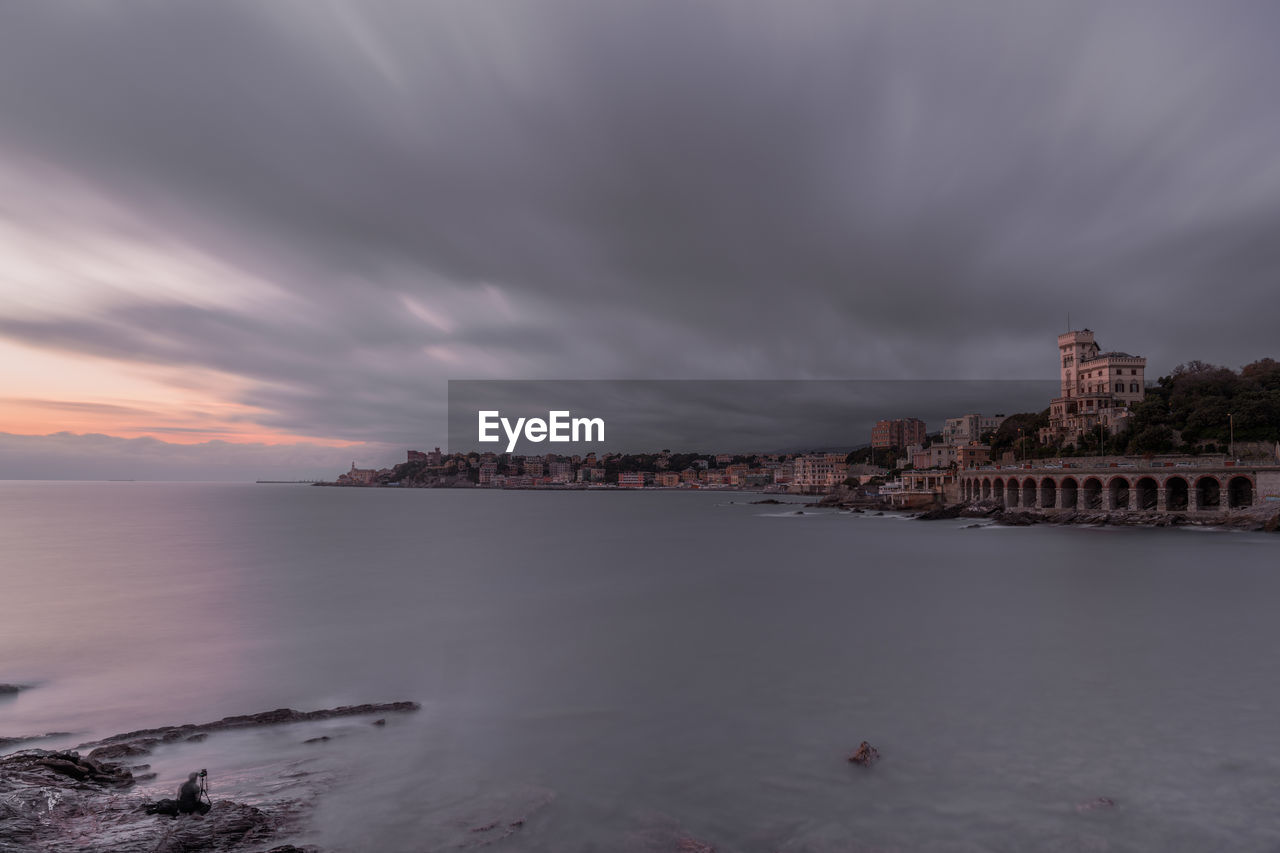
(1136, 486)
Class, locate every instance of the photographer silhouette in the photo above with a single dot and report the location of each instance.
(193, 796)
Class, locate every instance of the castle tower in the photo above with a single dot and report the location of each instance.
(1074, 347)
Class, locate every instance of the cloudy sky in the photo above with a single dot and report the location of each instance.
(243, 237)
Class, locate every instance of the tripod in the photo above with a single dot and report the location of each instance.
(204, 791)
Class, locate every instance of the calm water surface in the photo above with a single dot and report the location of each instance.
(627, 669)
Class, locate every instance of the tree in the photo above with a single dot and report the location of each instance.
(1008, 435)
(1151, 439)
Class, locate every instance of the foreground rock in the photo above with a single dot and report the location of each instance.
(56, 801)
(11, 689)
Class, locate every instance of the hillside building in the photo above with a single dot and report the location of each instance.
(1097, 388)
(900, 433)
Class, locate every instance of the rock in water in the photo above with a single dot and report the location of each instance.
(946, 512)
(865, 756)
(1095, 804)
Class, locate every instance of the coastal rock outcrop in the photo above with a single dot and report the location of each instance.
(142, 741)
(1258, 518)
(942, 513)
(6, 742)
(62, 801)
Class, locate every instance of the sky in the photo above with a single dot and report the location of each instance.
(242, 237)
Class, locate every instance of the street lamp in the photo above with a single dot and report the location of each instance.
(1231, 424)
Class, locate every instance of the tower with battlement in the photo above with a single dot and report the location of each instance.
(1098, 389)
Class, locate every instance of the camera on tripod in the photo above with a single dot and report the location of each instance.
(203, 772)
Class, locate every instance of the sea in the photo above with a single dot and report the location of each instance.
(655, 670)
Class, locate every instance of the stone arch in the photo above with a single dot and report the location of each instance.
(997, 490)
(1208, 493)
(1029, 492)
(1118, 493)
(1239, 492)
(1176, 494)
(1148, 493)
(1070, 497)
(1093, 493)
(1013, 491)
(1048, 493)
(986, 489)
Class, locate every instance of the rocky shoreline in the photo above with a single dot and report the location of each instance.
(1264, 518)
(61, 800)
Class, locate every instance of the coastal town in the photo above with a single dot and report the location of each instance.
(1202, 440)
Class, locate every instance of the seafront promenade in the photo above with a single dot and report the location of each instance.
(1194, 487)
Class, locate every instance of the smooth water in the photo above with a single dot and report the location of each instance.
(626, 669)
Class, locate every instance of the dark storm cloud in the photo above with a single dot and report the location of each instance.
(659, 190)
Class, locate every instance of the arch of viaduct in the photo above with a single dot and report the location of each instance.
(1110, 489)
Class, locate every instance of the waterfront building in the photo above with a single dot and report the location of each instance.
(358, 476)
(900, 433)
(667, 479)
(1097, 389)
(818, 472)
(631, 479)
(487, 472)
